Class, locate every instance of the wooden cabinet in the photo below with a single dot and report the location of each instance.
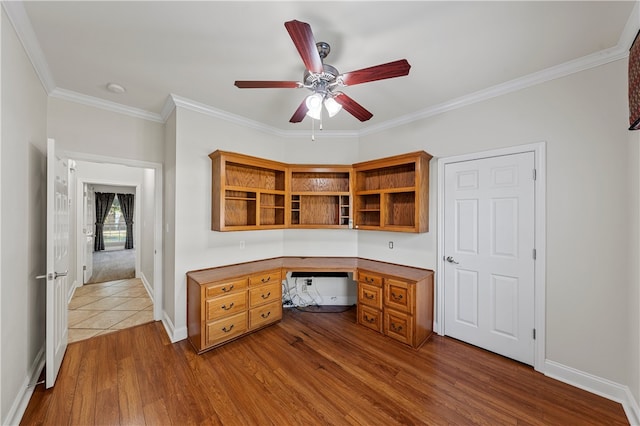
(320, 196)
(246, 192)
(221, 308)
(389, 194)
(392, 194)
(398, 307)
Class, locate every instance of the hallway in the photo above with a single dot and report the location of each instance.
(97, 309)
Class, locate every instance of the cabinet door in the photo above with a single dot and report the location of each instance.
(369, 278)
(223, 306)
(370, 317)
(226, 328)
(399, 295)
(399, 326)
(265, 294)
(268, 277)
(266, 314)
(220, 289)
(370, 295)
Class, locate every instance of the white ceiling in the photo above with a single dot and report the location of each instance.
(458, 51)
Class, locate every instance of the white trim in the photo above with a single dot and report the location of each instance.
(20, 403)
(92, 101)
(22, 26)
(158, 284)
(175, 334)
(539, 150)
(596, 385)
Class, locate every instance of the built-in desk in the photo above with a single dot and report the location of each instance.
(227, 302)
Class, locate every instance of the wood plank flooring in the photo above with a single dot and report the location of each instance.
(311, 368)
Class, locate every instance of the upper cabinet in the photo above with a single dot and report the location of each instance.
(320, 196)
(392, 194)
(246, 192)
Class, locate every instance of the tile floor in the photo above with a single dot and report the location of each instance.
(106, 307)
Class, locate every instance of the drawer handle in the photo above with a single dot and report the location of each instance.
(267, 280)
(396, 296)
(226, 330)
(225, 289)
(369, 296)
(369, 320)
(369, 279)
(265, 297)
(396, 327)
(265, 316)
(226, 308)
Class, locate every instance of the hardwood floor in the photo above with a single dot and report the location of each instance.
(311, 368)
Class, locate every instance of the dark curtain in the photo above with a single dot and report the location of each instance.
(126, 205)
(103, 205)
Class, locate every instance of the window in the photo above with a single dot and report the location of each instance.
(115, 228)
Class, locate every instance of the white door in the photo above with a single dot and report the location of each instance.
(57, 261)
(87, 229)
(489, 254)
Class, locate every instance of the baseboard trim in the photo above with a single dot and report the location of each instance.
(596, 385)
(147, 286)
(175, 335)
(14, 416)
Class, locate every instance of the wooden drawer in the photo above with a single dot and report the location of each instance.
(370, 317)
(369, 278)
(226, 328)
(266, 277)
(265, 294)
(265, 314)
(370, 295)
(398, 295)
(399, 326)
(214, 290)
(222, 306)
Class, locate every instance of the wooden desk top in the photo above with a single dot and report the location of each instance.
(308, 264)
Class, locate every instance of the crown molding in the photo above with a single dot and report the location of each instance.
(20, 21)
(69, 95)
(22, 26)
(179, 101)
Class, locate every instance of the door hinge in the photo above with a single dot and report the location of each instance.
(535, 174)
(84, 267)
(535, 254)
(534, 334)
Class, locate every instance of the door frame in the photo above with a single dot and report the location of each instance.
(539, 151)
(158, 234)
(80, 241)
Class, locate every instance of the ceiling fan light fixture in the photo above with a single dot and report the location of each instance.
(332, 106)
(314, 106)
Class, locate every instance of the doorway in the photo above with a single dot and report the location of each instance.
(490, 289)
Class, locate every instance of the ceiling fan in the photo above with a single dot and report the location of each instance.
(323, 79)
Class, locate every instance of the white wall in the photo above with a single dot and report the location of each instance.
(22, 321)
(582, 119)
(633, 361)
(84, 129)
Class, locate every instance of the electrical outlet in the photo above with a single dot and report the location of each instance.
(391, 245)
(241, 245)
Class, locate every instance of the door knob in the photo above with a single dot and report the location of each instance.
(451, 260)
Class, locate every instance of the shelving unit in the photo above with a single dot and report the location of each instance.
(247, 192)
(320, 196)
(392, 194)
(389, 194)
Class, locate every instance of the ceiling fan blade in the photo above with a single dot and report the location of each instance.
(248, 84)
(379, 72)
(302, 37)
(300, 113)
(352, 107)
